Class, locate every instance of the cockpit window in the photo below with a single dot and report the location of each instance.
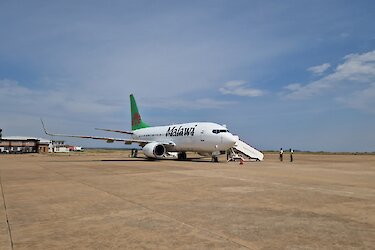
(217, 131)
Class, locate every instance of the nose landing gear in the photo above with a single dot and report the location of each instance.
(215, 159)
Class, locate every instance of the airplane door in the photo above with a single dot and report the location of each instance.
(202, 135)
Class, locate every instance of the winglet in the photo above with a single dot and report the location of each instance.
(44, 128)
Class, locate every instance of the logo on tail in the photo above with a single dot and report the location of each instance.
(136, 119)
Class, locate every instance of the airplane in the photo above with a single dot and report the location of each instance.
(204, 138)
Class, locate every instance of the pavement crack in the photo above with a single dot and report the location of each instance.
(6, 214)
(219, 235)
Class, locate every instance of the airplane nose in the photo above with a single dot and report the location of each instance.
(231, 139)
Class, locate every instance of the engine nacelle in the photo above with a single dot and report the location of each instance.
(154, 150)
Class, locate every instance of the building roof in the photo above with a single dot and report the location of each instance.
(25, 138)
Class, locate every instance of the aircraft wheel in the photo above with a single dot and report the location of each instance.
(181, 156)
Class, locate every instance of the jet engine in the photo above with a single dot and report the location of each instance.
(154, 150)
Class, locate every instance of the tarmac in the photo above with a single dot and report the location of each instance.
(106, 200)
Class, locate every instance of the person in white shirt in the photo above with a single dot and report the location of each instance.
(281, 154)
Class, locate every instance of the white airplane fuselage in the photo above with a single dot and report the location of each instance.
(202, 137)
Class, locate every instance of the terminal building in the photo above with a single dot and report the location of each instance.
(22, 144)
(59, 147)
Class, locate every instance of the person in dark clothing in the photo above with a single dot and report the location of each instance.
(291, 155)
(281, 154)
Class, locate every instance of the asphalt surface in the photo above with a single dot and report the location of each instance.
(108, 201)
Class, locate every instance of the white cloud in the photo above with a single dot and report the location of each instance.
(201, 103)
(362, 100)
(319, 69)
(22, 99)
(352, 83)
(10, 88)
(63, 103)
(293, 86)
(133, 50)
(238, 88)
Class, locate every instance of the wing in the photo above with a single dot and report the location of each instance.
(116, 131)
(107, 139)
(142, 143)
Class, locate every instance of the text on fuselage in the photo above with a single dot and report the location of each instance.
(180, 131)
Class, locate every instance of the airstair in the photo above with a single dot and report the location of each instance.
(242, 150)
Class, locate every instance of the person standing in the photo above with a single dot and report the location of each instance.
(291, 155)
(281, 154)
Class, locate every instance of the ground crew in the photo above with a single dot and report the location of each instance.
(291, 155)
(134, 153)
(281, 154)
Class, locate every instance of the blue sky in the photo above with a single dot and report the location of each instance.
(297, 74)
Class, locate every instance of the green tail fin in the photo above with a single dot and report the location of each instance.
(137, 122)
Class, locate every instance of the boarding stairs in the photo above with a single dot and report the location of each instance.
(243, 151)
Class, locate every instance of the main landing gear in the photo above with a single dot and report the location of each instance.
(215, 159)
(181, 156)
